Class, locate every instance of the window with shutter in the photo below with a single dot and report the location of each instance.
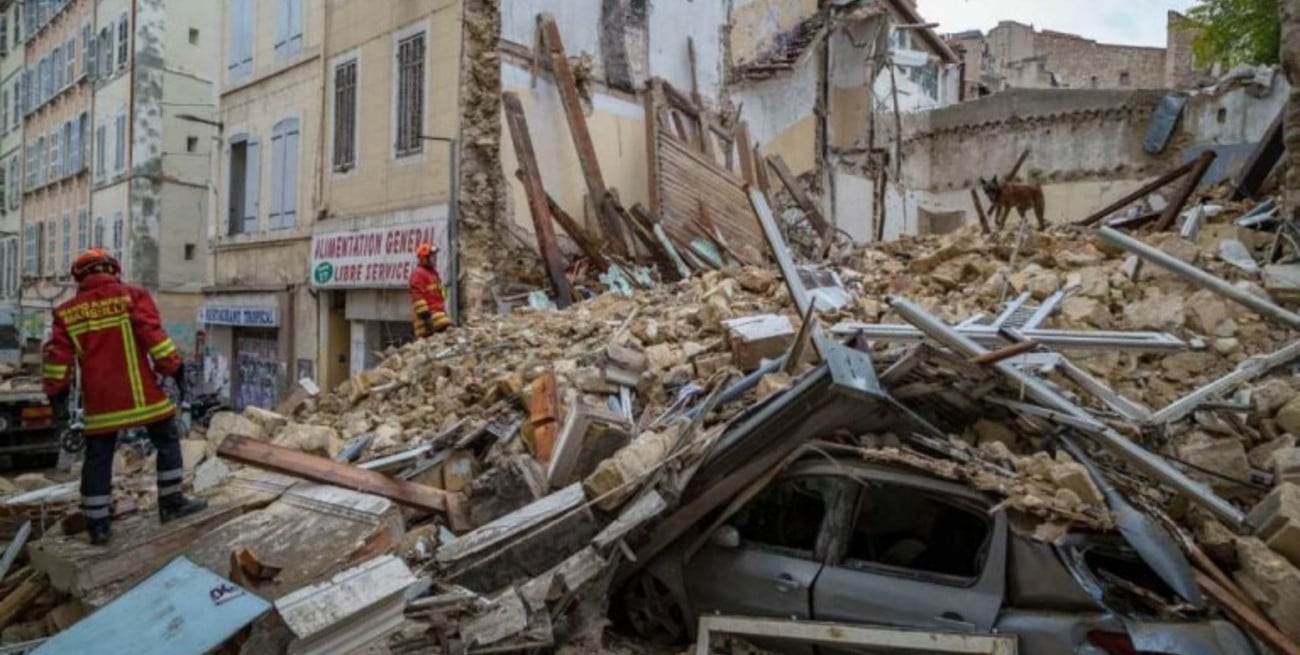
(83, 153)
(66, 263)
(56, 164)
(253, 186)
(4, 36)
(31, 248)
(101, 145)
(4, 109)
(68, 148)
(105, 45)
(73, 139)
(410, 94)
(123, 40)
(239, 39)
(345, 115)
(87, 49)
(119, 236)
(56, 71)
(51, 247)
(4, 186)
(15, 198)
(83, 230)
(284, 174)
(119, 152)
(288, 28)
(98, 236)
(70, 60)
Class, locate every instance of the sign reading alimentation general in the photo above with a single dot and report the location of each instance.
(239, 315)
(373, 257)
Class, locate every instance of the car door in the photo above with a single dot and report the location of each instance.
(765, 559)
(918, 553)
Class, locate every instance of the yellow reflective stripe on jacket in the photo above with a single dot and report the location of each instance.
(163, 348)
(55, 371)
(78, 329)
(137, 416)
(133, 365)
(420, 306)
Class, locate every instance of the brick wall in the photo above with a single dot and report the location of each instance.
(1077, 62)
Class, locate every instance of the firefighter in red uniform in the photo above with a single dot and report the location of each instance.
(426, 294)
(113, 331)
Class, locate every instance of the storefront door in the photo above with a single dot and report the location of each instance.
(258, 369)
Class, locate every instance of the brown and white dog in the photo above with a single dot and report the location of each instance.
(1020, 196)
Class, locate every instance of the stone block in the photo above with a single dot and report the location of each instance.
(224, 424)
(1227, 457)
(1288, 417)
(1277, 520)
(1272, 582)
(755, 338)
(1282, 282)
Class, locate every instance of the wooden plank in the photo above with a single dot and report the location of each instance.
(319, 469)
(505, 528)
(532, 178)
(1246, 616)
(800, 196)
(685, 179)
(746, 153)
(589, 245)
(1015, 170)
(979, 211)
(1137, 195)
(20, 598)
(543, 416)
(760, 169)
(573, 112)
(1201, 164)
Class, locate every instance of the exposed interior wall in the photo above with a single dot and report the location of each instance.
(672, 23)
(617, 128)
(781, 117)
(757, 24)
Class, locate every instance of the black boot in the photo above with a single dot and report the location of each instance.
(178, 506)
(100, 531)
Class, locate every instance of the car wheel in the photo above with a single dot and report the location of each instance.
(651, 612)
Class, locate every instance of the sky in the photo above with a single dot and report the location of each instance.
(1128, 22)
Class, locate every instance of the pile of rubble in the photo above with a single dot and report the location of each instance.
(483, 489)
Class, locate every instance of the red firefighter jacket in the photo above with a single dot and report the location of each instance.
(426, 296)
(114, 332)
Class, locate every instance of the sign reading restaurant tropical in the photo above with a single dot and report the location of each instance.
(380, 257)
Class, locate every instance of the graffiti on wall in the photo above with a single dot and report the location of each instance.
(261, 373)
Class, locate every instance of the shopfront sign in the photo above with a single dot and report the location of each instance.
(373, 258)
(241, 316)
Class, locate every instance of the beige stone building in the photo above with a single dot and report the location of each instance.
(391, 120)
(1015, 55)
(258, 313)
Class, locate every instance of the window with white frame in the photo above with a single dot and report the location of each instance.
(98, 236)
(345, 116)
(67, 244)
(410, 94)
(244, 185)
(83, 229)
(119, 236)
(123, 39)
(239, 39)
(119, 150)
(288, 28)
(101, 145)
(31, 249)
(284, 174)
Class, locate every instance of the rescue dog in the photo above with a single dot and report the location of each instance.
(1020, 196)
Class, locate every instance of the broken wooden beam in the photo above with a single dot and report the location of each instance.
(543, 416)
(13, 604)
(1141, 193)
(1020, 161)
(1013, 350)
(979, 211)
(1200, 165)
(319, 469)
(747, 168)
(590, 246)
(573, 112)
(532, 178)
(800, 196)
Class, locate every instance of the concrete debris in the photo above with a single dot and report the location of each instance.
(1272, 582)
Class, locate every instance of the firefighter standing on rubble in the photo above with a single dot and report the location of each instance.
(113, 331)
(426, 294)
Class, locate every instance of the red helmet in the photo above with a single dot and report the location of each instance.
(95, 260)
(425, 250)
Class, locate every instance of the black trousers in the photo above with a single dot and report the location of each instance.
(97, 470)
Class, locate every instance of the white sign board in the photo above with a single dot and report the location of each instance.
(374, 258)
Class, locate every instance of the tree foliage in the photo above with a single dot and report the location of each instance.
(1232, 32)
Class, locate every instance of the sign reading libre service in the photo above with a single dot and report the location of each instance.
(374, 257)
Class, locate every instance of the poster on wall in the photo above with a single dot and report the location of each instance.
(374, 258)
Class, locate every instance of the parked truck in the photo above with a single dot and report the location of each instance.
(29, 432)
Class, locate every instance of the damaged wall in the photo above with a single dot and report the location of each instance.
(757, 25)
(781, 114)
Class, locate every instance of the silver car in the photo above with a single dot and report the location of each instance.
(837, 539)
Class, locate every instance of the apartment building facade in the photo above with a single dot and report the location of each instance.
(57, 95)
(391, 116)
(259, 314)
(12, 58)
